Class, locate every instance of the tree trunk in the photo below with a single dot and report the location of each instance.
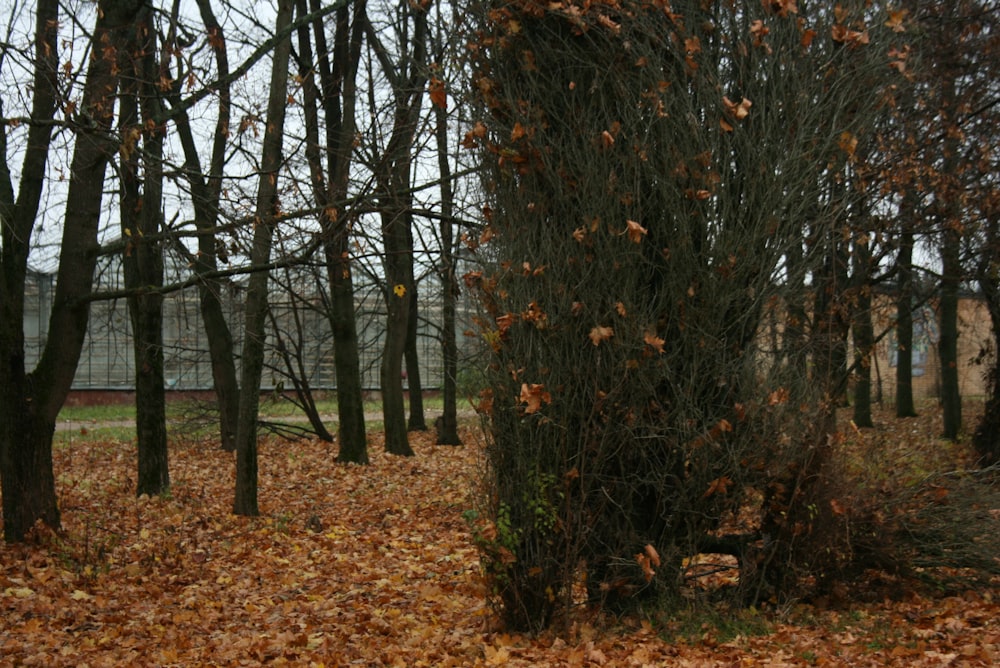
(414, 385)
(987, 436)
(904, 326)
(26, 453)
(864, 334)
(951, 270)
(26, 477)
(205, 194)
(143, 261)
(447, 424)
(245, 501)
(336, 98)
(205, 200)
(408, 77)
(399, 278)
(828, 337)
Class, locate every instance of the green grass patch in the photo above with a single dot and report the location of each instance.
(104, 413)
(693, 625)
(91, 434)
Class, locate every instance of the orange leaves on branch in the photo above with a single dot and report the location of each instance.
(535, 315)
(692, 46)
(895, 21)
(533, 396)
(485, 404)
(718, 486)
(608, 23)
(653, 341)
(848, 143)
(505, 321)
(898, 58)
(600, 334)
(759, 31)
(844, 35)
(635, 231)
(782, 7)
(609, 136)
(738, 110)
(778, 397)
(648, 559)
(475, 135)
(735, 110)
(439, 98)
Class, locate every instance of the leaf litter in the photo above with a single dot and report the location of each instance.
(366, 566)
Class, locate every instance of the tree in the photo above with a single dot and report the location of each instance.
(407, 79)
(266, 215)
(31, 400)
(648, 171)
(334, 100)
(141, 203)
(206, 191)
(447, 423)
(864, 334)
(904, 319)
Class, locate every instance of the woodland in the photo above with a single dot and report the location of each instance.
(675, 220)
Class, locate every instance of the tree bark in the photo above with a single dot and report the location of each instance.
(142, 261)
(399, 278)
(26, 477)
(447, 423)
(336, 97)
(864, 334)
(245, 501)
(951, 270)
(35, 398)
(205, 194)
(414, 385)
(904, 326)
(408, 78)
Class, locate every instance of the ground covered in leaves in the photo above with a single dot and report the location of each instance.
(375, 566)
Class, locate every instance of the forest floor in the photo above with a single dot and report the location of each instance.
(375, 566)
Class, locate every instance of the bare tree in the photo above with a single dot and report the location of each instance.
(265, 218)
(31, 400)
(333, 101)
(141, 203)
(206, 191)
(407, 75)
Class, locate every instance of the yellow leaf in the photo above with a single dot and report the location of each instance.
(399, 289)
(19, 592)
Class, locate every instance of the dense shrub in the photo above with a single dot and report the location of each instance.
(649, 172)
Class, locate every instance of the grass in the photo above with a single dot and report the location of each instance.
(696, 624)
(269, 406)
(193, 419)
